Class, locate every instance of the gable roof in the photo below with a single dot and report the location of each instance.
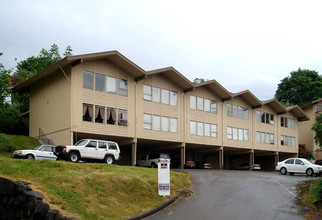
(175, 76)
(276, 105)
(311, 103)
(216, 88)
(298, 112)
(113, 56)
(248, 97)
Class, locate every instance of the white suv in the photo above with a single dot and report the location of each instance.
(108, 151)
(151, 160)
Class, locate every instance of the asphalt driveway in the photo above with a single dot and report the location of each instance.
(248, 195)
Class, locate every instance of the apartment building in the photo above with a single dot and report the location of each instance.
(313, 110)
(107, 96)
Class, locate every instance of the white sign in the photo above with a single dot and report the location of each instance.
(164, 177)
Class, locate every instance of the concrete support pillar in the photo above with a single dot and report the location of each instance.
(182, 156)
(221, 159)
(251, 160)
(134, 148)
(276, 158)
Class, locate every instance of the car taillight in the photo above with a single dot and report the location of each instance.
(65, 149)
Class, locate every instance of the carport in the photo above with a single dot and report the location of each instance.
(206, 153)
(234, 157)
(266, 159)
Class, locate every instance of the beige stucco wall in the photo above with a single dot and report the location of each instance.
(203, 116)
(150, 107)
(306, 135)
(81, 95)
(50, 106)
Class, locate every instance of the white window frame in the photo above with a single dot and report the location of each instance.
(165, 123)
(165, 96)
(147, 121)
(174, 125)
(193, 102)
(173, 98)
(229, 133)
(207, 104)
(200, 103)
(156, 94)
(147, 92)
(207, 129)
(156, 122)
(200, 128)
(214, 131)
(193, 127)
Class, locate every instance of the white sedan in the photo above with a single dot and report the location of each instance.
(298, 165)
(39, 153)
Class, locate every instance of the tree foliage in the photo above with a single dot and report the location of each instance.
(5, 84)
(33, 65)
(301, 87)
(317, 127)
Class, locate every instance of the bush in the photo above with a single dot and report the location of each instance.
(317, 190)
(6, 145)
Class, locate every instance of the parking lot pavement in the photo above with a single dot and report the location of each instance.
(238, 195)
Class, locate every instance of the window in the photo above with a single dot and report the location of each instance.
(111, 116)
(87, 112)
(111, 85)
(165, 96)
(200, 128)
(285, 140)
(165, 123)
(272, 138)
(112, 146)
(147, 121)
(240, 112)
(200, 103)
(122, 117)
(299, 162)
(207, 105)
(235, 133)
(99, 114)
(258, 137)
(290, 161)
(267, 135)
(193, 127)
(293, 142)
(258, 116)
(263, 117)
(263, 138)
(88, 80)
(102, 145)
(229, 133)
(235, 111)
(213, 107)
(173, 125)
(92, 144)
(282, 140)
(193, 102)
(147, 92)
(272, 119)
(100, 81)
(240, 134)
(122, 87)
(207, 130)
(229, 110)
(267, 118)
(282, 122)
(156, 94)
(173, 98)
(156, 122)
(318, 108)
(246, 135)
(213, 130)
(246, 113)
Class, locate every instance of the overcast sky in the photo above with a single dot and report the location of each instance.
(242, 44)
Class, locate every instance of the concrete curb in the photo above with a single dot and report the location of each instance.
(157, 209)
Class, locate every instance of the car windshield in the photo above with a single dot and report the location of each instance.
(81, 143)
(36, 148)
(306, 161)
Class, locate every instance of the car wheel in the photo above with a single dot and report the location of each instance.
(283, 170)
(74, 157)
(309, 172)
(292, 174)
(153, 165)
(30, 156)
(108, 159)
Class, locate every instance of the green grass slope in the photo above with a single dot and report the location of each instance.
(10, 143)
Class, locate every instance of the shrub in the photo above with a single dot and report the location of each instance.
(6, 145)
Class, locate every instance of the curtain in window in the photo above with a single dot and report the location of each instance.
(108, 113)
(113, 113)
(90, 110)
(84, 110)
(102, 113)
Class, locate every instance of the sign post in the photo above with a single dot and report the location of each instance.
(164, 177)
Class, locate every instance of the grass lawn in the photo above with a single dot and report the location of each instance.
(88, 190)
